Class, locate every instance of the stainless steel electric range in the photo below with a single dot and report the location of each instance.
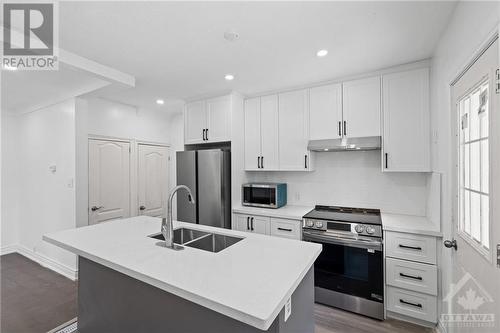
(349, 273)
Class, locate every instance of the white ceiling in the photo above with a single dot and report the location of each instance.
(176, 50)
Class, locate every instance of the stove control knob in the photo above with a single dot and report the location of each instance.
(319, 224)
(370, 230)
(359, 228)
(309, 223)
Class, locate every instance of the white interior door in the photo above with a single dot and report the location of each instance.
(109, 180)
(474, 285)
(152, 180)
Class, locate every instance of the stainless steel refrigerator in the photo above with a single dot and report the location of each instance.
(208, 174)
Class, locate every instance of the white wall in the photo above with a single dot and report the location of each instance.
(353, 179)
(9, 189)
(470, 26)
(38, 201)
(95, 116)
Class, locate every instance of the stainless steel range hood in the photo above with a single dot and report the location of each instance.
(350, 144)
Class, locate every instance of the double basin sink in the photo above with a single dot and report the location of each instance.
(202, 240)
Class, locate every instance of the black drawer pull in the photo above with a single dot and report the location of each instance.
(248, 222)
(410, 276)
(417, 305)
(285, 229)
(416, 248)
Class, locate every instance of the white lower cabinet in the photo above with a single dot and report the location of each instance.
(251, 223)
(286, 228)
(411, 275)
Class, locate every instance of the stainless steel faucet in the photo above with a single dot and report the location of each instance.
(167, 227)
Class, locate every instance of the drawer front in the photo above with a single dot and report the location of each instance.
(286, 228)
(412, 304)
(412, 275)
(411, 247)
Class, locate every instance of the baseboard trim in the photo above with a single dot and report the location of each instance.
(43, 260)
(8, 249)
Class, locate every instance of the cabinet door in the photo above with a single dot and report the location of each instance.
(293, 130)
(361, 107)
(241, 222)
(252, 134)
(219, 119)
(325, 105)
(406, 121)
(269, 132)
(195, 121)
(260, 224)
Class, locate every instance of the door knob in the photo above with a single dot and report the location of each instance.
(451, 244)
(142, 208)
(94, 208)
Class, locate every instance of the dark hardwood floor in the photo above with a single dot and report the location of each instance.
(35, 300)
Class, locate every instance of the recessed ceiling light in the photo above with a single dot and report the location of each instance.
(322, 53)
(9, 68)
(229, 77)
(231, 36)
(160, 102)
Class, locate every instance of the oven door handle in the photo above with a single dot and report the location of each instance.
(369, 245)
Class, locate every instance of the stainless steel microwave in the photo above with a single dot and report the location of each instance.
(266, 195)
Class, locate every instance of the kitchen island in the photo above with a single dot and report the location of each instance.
(129, 282)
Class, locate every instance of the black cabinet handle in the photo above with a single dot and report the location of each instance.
(417, 305)
(251, 224)
(305, 161)
(142, 208)
(262, 162)
(386, 160)
(285, 229)
(206, 133)
(340, 128)
(416, 248)
(410, 276)
(345, 128)
(248, 222)
(258, 162)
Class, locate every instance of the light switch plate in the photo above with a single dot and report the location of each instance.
(288, 308)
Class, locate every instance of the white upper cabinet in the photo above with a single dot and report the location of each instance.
(406, 135)
(325, 112)
(294, 131)
(269, 132)
(361, 107)
(195, 122)
(208, 121)
(252, 134)
(219, 119)
(261, 133)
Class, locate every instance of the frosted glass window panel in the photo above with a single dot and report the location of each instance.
(475, 216)
(474, 116)
(485, 166)
(466, 166)
(475, 164)
(484, 116)
(461, 166)
(485, 221)
(466, 124)
(467, 211)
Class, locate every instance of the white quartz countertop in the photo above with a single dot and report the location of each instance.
(249, 281)
(287, 212)
(410, 224)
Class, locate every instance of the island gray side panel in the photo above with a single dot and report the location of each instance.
(301, 319)
(112, 302)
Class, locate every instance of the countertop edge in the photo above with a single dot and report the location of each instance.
(260, 323)
(425, 232)
(282, 212)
